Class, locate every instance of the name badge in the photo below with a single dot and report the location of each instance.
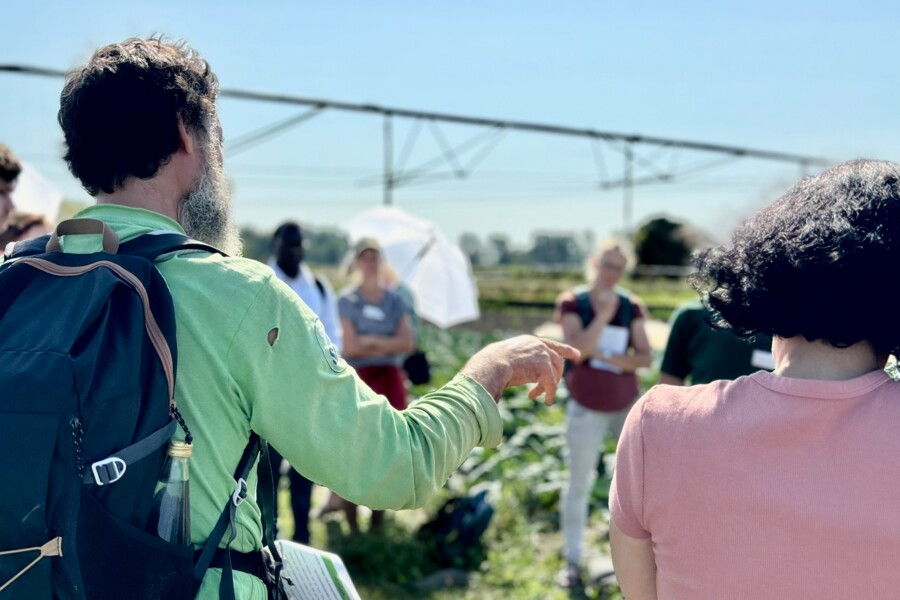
(762, 360)
(373, 313)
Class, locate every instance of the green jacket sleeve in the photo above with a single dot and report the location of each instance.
(310, 405)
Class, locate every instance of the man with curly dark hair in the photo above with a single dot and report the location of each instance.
(142, 135)
(780, 484)
(10, 168)
(125, 115)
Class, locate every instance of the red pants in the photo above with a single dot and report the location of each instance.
(386, 380)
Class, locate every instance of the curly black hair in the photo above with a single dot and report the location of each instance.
(119, 112)
(818, 262)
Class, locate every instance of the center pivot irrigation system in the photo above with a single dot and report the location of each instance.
(462, 159)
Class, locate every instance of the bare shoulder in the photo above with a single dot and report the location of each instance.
(565, 296)
(635, 299)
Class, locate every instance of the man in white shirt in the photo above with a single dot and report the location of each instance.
(288, 252)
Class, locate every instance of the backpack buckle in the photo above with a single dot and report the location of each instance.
(109, 470)
(240, 492)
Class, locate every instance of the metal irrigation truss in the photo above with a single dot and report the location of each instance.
(462, 159)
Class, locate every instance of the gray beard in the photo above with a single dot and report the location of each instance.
(205, 213)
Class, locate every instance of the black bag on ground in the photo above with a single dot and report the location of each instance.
(87, 375)
(418, 371)
(455, 532)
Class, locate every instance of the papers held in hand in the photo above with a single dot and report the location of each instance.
(614, 342)
(311, 574)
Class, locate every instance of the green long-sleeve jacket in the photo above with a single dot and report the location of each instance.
(295, 392)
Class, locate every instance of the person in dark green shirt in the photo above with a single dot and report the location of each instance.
(698, 353)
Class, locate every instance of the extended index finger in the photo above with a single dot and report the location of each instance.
(564, 350)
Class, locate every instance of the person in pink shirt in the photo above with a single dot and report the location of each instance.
(782, 484)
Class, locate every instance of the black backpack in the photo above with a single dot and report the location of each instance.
(454, 535)
(87, 376)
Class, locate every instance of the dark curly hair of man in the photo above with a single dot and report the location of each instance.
(10, 167)
(819, 262)
(119, 112)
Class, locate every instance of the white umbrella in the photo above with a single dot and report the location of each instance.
(433, 268)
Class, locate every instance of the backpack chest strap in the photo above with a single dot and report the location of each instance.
(112, 468)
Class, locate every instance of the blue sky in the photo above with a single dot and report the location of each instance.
(816, 78)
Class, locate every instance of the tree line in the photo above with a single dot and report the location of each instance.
(658, 242)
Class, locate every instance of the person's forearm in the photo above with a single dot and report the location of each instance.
(586, 341)
(358, 348)
(666, 379)
(635, 564)
(394, 344)
(361, 353)
(376, 345)
(629, 362)
(492, 375)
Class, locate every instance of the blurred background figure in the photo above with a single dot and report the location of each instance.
(378, 335)
(10, 168)
(415, 365)
(607, 327)
(288, 253)
(24, 226)
(696, 352)
(392, 282)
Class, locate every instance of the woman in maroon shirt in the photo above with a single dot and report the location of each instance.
(607, 327)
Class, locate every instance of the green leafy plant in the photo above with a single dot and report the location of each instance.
(519, 557)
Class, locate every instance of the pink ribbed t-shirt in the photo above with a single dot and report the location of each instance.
(766, 487)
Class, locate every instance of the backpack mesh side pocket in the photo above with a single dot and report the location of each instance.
(122, 561)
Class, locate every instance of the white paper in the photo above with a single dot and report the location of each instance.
(315, 574)
(762, 360)
(373, 313)
(613, 341)
(596, 363)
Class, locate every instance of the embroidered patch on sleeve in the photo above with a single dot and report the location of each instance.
(329, 350)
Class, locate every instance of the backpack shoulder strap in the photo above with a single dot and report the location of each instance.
(256, 447)
(150, 246)
(26, 248)
(153, 245)
(585, 310)
(320, 286)
(626, 310)
(203, 561)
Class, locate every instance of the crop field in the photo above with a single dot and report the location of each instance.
(519, 556)
(523, 287)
